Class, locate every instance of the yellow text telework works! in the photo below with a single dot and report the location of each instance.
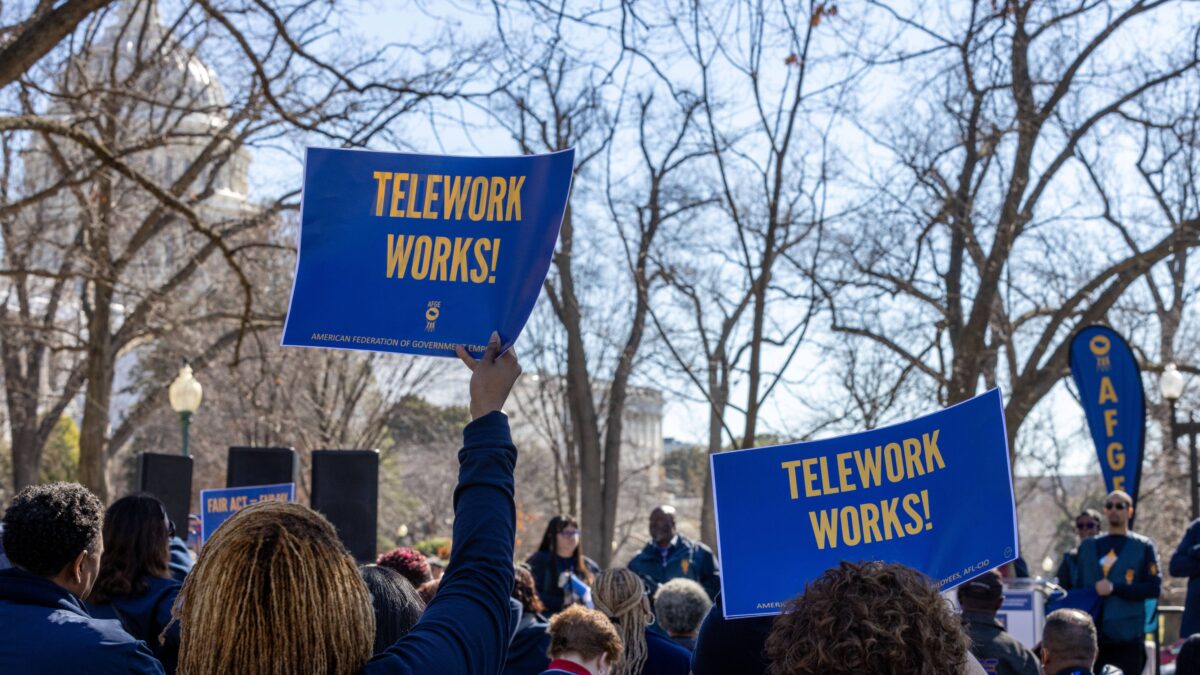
(416, 196)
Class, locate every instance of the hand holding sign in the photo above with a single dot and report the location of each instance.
(492, 376)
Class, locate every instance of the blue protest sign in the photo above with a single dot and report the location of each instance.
(217, 505)
(934, 493)
(1110, 390)
(417, 253)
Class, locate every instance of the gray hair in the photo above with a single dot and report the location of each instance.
(680, 605)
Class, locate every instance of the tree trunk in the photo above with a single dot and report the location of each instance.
(716, 412)
(98, 394)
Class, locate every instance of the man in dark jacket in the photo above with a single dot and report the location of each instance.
(1186, 563)
(52, 536)
(1068, 643)
(1123, 568)
(670, 555)
(996, 650)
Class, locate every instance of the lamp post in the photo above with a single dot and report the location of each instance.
(1171, 387)
(185, 394)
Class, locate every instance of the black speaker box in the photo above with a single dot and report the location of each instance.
(260, 466)
(168, 477)
(345, 489)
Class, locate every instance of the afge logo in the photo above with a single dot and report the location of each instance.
(432, 312)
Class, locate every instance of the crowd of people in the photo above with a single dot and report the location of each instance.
(91, 590)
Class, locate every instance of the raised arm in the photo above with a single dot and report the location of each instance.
(465, 629)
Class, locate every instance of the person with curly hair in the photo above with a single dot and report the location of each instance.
(624, 599)
(870, 617)
(527, 651)
(52, 536)
(409, 562)
(582, 642)
(135, 585)
(680, 606)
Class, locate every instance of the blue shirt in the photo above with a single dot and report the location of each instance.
(46, 629)
(146, 615)
(1186, 563)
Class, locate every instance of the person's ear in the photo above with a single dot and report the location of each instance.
(75, 568)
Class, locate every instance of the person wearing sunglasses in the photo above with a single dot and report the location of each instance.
(1087, 526)
(1122, 566)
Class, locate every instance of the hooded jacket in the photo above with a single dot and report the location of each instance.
(47, 630)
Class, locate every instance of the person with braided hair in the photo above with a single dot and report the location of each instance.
(275, 591)
(622, 597)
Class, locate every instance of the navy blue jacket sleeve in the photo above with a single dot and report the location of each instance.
(180, 562)
(711, 579)
(465, 629)
(1148, 583)
(1186, 561)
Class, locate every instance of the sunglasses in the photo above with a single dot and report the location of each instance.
(1087, 525)
(1116, 506)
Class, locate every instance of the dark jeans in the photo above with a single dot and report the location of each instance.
(1130, 657)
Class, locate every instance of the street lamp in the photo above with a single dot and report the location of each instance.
(185, 394)
(1171, 386)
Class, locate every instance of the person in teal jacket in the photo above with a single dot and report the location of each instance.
(1123, 568)
(670, 555)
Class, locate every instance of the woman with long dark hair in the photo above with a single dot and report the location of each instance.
(560, 553)
(134, 584)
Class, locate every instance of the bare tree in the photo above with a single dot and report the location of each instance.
(972, 267)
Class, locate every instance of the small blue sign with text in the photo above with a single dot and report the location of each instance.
(217, 505)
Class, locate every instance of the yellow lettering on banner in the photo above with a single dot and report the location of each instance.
(513, 210)
(790, 467)
(420, 266)
(427, 210)
(870, 524)
(894, 462)
(495, 210)
(825, 527)
(826, 488)
(844, 472)
(851, 531)
(909, 502)
(810, 477)
(1107, 393)
(478, 199)
(1110, 421)
(458, 259)
(382, 177)
(912, 458)
(456, 196)
(932, 455)
(399, 248)
(1118, 482)
(1116, 456)
(891, 521)
(441, 254)
(397, 195)
(414, 181)
(869, 467)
